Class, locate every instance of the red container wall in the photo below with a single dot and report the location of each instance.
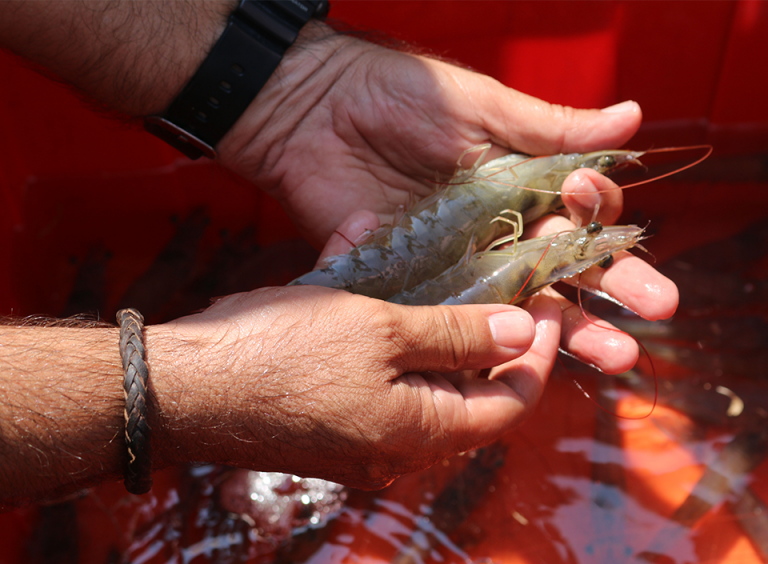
(70, 174)
(697, 69)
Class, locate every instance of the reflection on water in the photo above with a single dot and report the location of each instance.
(575, 484)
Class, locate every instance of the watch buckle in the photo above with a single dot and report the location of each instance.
(181, 139)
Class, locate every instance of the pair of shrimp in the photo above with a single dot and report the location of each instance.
(419, 259)
(439, 230)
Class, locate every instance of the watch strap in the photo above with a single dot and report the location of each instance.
(257, 35)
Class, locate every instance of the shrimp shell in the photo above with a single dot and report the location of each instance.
(499, 276)
(438, 230)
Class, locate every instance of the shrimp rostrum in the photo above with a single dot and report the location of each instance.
(510, 276)
(438, 230)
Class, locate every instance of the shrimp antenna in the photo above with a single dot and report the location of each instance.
(708, 152)
(709, 149)
(340, 234)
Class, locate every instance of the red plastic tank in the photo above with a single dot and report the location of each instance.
(698, 69)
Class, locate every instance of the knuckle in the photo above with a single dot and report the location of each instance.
(568, 118)
(457, 343)
(443, 331)
(383, 323)
(566, 114)
(393, 330)
(364, 317)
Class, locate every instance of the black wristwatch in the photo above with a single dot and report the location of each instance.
(258, 34)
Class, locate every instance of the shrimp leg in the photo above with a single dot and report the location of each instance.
(516, 234)
(460, 174)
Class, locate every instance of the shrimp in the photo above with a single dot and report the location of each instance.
(511, 276)
(437, 231)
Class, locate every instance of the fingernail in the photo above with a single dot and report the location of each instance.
(512, 330)
(627, 106)
(585, 193)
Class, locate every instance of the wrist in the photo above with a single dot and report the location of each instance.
(244, 58)
(301, 83)
(192, 33)
(177, 390)
(199, 386)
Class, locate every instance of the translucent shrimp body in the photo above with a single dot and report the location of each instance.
(499, 276)
(437, 231)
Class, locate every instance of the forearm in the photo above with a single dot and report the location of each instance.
(61, 417)
(61, 414)
(135, 56)
(131, 55)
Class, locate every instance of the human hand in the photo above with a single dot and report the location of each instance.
(320, 382)
(348, 125)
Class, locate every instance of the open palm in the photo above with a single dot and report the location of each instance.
(375, 127)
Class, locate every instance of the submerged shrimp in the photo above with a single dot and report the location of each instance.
(510, 276)
(437, 231)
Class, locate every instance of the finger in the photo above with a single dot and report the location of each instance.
(527, 375)
(585, 191)
(634, 283)
(630, 280)
(476, 412)
(637, 285)
(346, 235)
(536, 127)
(453, 338)
(595, 341)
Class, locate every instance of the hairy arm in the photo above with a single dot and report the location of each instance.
(61, 414)
(133, 56)
(61, 418)
(279, 379)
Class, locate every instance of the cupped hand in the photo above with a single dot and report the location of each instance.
(320, 382)
(348, 125)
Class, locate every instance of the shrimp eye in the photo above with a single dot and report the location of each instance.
(606, 262)
(606, 162)
(594, 227)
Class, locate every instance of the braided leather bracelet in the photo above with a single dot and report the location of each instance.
(138, 471)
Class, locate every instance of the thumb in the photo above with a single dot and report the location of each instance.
(453, 338)
(533, 126)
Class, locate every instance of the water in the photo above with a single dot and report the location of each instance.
(575, 484)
